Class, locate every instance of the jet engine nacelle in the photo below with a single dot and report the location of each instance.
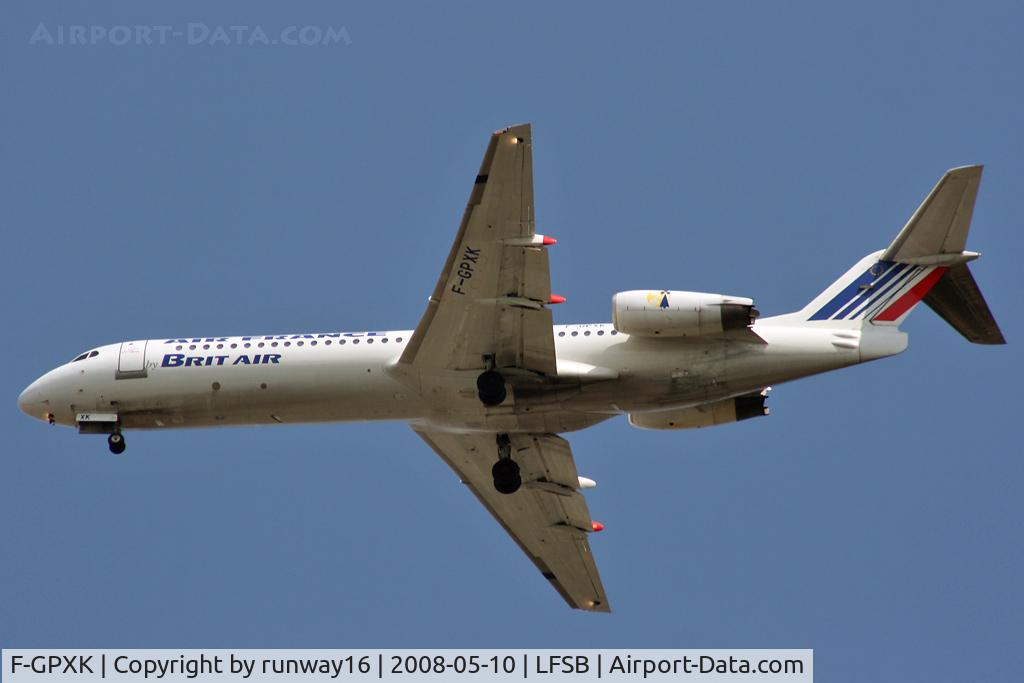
(649, 313)
(709, 415)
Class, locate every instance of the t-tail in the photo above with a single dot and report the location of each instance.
(926, 262)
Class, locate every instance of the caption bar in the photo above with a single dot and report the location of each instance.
(405, 665)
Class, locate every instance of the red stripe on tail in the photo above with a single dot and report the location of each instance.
(908, 300)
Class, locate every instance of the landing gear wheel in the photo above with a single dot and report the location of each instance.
(116, 443)
(506, 476)
(490, 386)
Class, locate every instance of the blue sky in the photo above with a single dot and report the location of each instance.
(752, 148)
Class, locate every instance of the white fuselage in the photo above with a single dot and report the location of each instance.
(339, 377)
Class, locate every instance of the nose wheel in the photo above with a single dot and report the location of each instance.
(507, 478)
(116, 443)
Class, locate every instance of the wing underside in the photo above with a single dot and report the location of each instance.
(548, 517)
(490, 299)
(488, 311)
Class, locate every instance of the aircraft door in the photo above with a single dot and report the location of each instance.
(131, 362)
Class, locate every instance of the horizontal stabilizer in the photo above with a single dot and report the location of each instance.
(940, 224)
(957, 299)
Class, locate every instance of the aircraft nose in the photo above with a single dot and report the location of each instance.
(33, 400)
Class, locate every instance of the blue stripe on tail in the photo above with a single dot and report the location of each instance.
(851, 291)
(874, 288)
(908, 274)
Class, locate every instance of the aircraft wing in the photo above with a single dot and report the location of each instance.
(547, 517)
(490, 298)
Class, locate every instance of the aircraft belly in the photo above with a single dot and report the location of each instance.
(652, 373)
(677, 373)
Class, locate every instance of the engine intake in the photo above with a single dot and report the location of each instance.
(650, 313)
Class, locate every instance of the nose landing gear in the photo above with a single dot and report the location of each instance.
(507, 478)
(116, 443)
(102, 423)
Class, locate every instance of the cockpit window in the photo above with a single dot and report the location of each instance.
(87, 354)
(93, 354)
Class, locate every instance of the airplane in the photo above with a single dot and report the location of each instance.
(489, 382)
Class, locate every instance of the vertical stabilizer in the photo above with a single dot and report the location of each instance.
(926, 262)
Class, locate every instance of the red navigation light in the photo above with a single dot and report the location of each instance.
(597, 526)
(556, 299)
(548, 241)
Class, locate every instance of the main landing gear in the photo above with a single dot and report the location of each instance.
(116, 443)
(490, 387)
(506, 471)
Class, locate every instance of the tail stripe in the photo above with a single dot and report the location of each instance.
(908, 274)
(851, 290)
(908, 300)
(891, 293)
(874, 288)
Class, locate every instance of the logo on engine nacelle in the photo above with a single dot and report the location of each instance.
(658, 298)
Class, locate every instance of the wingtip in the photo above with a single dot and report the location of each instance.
(595, 606)
(520, 129)
(968, 170)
